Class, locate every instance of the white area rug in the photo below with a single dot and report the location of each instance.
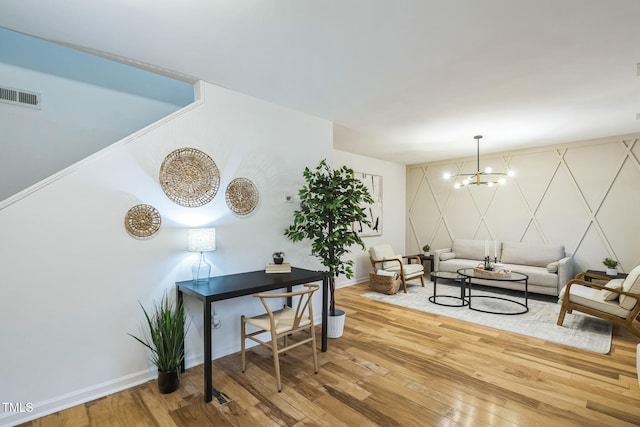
(579, 330)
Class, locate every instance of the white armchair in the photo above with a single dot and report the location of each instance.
(618, 300)
(383, 258)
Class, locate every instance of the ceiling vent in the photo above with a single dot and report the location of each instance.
(20, 97)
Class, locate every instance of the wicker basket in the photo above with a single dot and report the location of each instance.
(481, 272)
(386, 284)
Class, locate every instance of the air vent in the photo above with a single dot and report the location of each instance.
(20, 97)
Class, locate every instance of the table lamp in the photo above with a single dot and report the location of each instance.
(201, 240)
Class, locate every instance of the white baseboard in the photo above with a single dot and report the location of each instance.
(33, 410)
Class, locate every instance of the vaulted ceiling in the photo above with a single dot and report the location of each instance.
(408, 81)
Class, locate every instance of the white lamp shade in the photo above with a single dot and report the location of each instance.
(202, 240)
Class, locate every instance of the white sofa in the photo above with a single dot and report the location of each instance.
(548, 266)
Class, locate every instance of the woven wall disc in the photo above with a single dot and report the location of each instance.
(241, 196)
(189, 177)
(142, 221)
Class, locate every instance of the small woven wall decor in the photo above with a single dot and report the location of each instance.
(189, 177)
(142, 221)
(241, 196)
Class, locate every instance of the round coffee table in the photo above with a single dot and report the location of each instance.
(470, 273)
(449, 275)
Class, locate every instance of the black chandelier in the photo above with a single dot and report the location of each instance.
(486, 177)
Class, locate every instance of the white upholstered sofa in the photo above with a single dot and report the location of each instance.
(548, 266)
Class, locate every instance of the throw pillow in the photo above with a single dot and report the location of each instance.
(611, 284)
(447, 255)
(552, 267)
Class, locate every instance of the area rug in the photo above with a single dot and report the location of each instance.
(579, 330)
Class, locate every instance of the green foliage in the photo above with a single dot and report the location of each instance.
(165, 334)
(426, 248)
(610, 263)
(330, 202)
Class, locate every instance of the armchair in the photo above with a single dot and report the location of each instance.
(617, 300)
(382, 257)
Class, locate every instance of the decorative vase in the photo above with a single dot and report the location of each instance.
(168, 381)
(335, 324)
(612, 272)
(278, 260)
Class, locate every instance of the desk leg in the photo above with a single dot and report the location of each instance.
(325, 311)
(208, 380)
(179, 303)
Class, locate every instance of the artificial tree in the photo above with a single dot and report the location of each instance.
(331, 201)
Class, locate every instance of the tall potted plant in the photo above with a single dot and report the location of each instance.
(330, 202)
(164, 337)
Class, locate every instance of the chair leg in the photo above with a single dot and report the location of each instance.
(563, 311)
(404, 284)
(242, 334)
(276, 361)
(313, 348)
(422, 279)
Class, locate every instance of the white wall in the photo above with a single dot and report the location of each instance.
(71, 276)
(76, 119)
(582, 195)
(393, 209)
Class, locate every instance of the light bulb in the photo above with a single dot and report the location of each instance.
(447, 175)
(488, 170)
(465, 182)
(502, 181)
(490, 183)
(456, 185)
(511, 173)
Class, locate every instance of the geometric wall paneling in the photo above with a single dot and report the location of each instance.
(584, 195)
(508, 216)
(533, 174)
(622, 206)
(582, 161)
(562, 215)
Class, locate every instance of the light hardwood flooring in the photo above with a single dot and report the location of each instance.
(395, 367)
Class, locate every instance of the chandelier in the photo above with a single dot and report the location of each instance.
(487, 177)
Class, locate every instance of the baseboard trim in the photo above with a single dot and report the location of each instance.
(47, 407)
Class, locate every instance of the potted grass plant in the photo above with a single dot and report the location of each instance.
(611, 265)
(330, 202)
(163, 335)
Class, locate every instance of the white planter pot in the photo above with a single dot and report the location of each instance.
(612, 271)
(335, 324)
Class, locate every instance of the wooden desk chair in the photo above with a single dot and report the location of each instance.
(618, 300)
(282, 323)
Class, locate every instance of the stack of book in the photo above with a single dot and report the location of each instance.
(285, 267)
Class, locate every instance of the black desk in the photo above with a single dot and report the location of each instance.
(236, 285)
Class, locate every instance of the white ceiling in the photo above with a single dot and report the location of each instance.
(408, 81)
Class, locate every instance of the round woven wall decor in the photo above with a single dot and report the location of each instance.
(241, 196)
(142, 221)
(189, 177)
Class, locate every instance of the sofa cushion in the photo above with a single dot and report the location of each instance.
(470, 249)
(538, 255)
(630, 284)
(538, 275)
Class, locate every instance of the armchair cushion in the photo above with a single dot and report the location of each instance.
(611, 284)
(409, 269)
(447, 256)
(630, 284)
(592, 298)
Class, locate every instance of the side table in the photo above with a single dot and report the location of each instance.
(604, 273)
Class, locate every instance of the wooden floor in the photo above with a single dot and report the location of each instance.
(395, 367)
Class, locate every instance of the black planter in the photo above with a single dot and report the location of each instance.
(278, 260)
(168, 381)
